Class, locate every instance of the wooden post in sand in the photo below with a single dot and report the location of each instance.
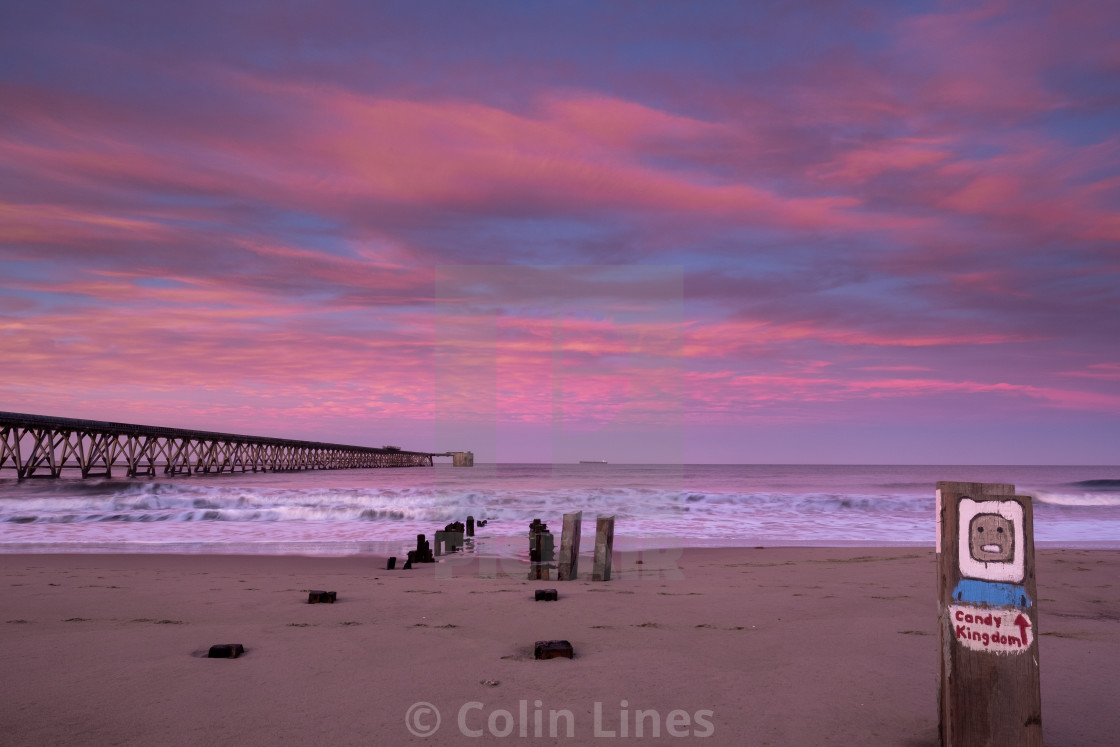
(568, 568)
(604, 547)
(541, 551)
(988, 689)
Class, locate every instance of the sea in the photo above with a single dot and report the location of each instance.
(380, 511)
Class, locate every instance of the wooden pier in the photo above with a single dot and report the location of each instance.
(41, 446)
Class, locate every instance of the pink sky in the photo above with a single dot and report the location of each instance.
(671, 233)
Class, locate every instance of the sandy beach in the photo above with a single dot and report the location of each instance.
(777, 646)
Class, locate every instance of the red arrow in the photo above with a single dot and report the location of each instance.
(1023, 624)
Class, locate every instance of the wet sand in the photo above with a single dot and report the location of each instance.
(778, 646)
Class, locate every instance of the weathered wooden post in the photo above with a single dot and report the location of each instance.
(470, 526)
(535, 529)
(988, 689)
(604, 546)
(568, 567)
(541, 550)
(548, 553)
(423, 551)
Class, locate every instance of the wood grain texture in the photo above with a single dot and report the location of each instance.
(568, 565)
(604, 548)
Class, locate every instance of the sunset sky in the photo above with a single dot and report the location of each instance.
(635, 231)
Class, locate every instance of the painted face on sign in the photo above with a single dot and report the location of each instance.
(991, 545)
(991, 538)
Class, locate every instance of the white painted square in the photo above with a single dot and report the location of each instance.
(1011, 571)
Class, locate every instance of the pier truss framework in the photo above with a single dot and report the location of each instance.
(42, 446)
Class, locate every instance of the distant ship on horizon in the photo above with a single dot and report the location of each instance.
(593, 461)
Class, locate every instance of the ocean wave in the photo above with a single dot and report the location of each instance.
(1076, 499)
(705, 510)
(755, 504)
(158, 502)
(1106, 484)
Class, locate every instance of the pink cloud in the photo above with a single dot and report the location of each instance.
(983, 59)
(621, 123)
(857, 165)
(576, 152)
(732, 337)
(265, 260)
(466, 154)
(1063, 398)
(1102, 371)
(46, 223)
(737, 397)
(899, 369)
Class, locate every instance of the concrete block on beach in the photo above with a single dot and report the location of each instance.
(450, 539)
(568, 566)
(226, 651)
(546, 595)
(604, 547)
(553, 650)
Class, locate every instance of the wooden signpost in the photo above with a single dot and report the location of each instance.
(988, 688)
